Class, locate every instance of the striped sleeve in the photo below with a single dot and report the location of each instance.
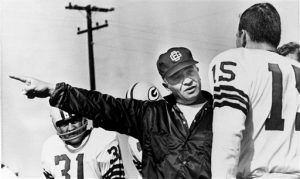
(138, 164)
(226, 95)
(230, 86)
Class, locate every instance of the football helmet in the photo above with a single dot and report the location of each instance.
(62, 119)
(143, 91)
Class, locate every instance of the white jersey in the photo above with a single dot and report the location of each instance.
(112, 156)
(62, 161)
(256, 120)
(123, 162)
(131, 155)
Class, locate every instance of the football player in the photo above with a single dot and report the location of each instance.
(141, 91)
(256, 121)
(130, 148)
(291, 50)
(74, 151)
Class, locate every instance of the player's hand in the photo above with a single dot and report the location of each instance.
(34, 87)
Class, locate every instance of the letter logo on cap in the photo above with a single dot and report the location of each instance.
(175, 56)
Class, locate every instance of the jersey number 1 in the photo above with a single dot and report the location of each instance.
(64, 172)
(275, 121)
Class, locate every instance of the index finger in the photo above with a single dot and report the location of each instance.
(23, 80)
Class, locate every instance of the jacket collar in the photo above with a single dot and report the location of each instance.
(172, 100)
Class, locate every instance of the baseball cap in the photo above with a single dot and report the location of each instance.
(173, 60)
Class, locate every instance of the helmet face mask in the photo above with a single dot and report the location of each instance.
(70, 128)
(67, 135)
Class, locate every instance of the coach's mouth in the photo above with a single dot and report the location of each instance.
(190, 89)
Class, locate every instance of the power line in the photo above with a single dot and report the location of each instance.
(89, 9)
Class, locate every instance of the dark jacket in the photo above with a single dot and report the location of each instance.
(170, 149)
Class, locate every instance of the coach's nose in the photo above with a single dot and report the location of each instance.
(187, 81)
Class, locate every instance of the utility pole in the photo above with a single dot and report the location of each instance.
(89, 9)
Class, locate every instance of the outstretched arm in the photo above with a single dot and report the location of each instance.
(123, 116)
(34, 87)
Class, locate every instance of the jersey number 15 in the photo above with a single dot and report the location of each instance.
(275, 121)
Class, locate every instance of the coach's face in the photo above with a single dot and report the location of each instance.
(185, 84)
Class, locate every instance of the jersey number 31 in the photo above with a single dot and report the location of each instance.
(65, 158)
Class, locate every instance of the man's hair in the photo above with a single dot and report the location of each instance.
(290, 48)
(262, 22)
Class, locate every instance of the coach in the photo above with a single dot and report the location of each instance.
(175, 133)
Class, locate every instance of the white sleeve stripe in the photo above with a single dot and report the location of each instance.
(229, 97)
(233, 105)
(233, 93)
(231, 89)
(235, 101)
(232, 97)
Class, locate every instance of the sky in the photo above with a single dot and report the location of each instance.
(39, 39)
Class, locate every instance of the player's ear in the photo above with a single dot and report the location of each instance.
(244, 37)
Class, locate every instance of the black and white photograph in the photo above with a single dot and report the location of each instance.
(153, 89)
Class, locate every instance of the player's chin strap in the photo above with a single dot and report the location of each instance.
(62, 136)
